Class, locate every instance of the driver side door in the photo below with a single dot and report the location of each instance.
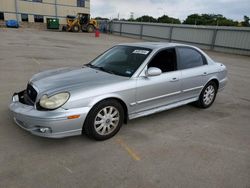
(161, 90)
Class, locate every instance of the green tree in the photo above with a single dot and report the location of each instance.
(246, 21)
(192, 19)
(209, 19)
(131, 20)
(166, 19)
(101, 18)
(146, 18)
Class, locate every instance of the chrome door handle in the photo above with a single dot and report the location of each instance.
(204, 73)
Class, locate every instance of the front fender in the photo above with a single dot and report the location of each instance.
(97, 99)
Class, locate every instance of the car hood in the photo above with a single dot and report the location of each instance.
(66, 79)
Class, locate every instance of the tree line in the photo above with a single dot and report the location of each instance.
(193, 19)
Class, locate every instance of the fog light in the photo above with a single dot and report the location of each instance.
(44, 130)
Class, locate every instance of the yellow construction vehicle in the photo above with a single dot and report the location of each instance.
(80, 22)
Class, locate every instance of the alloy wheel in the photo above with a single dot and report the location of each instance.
(106, 120)
(209, 95)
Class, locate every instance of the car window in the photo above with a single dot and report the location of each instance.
(121, 60)
(189, 58)
(164, 60)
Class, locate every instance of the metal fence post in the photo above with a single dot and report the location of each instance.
(110, 26)
(213, 39)
(141, 31)
(170, 33)
(120, 29)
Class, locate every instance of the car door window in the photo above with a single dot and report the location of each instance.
(189, 58)
(164, 60)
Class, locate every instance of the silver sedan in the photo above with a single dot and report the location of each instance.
(125, 82)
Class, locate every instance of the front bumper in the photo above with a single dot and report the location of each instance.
(56, 122)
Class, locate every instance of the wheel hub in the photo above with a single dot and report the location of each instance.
(107, 120)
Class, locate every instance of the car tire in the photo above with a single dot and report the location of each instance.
(208, 95)
(76, 28)
(104, 120)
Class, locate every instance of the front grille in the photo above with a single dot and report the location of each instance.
(31, 92)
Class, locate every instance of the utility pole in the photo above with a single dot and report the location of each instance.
(56, 8)
(16, 6)
(132, 15)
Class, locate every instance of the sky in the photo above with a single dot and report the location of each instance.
(233, 9)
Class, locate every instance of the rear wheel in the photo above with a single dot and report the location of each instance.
(207, 95)
(104, 120)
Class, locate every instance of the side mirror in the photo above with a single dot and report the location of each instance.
(153, 71)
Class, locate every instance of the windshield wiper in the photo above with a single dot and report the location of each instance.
(105, 70)
(100, 68)
(91, 66)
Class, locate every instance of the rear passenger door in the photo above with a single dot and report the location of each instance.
(193, 67)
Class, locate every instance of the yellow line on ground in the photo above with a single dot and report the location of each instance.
(128, 149)
(36, 61)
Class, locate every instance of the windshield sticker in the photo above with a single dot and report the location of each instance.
(144, 52)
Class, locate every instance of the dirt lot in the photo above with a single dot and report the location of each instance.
(183, 147)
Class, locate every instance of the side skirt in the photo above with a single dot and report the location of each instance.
(161, 108)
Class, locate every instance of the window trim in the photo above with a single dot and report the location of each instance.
(158, 51)
(179, 61)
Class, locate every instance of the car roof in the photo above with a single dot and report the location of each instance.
(154, 45)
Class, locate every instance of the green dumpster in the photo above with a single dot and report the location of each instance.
(52, 23)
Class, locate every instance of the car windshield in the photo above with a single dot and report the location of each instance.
(121, 60)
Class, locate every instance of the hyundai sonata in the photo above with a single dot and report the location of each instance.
(125, 82)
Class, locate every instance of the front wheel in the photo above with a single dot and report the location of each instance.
(104, 120)
(90, 29)
(207, 95)
(76, 28)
